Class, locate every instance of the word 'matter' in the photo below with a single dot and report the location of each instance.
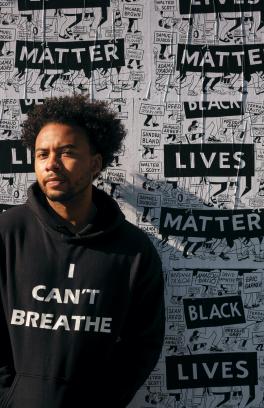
(211, 223)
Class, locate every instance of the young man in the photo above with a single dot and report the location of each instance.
(82, 312)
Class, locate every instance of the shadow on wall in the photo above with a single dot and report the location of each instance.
(192, 220)
(185, 218)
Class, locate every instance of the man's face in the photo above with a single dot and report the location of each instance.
(64, 163)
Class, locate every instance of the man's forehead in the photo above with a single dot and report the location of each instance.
(59, 134)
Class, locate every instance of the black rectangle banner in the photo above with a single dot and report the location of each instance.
(232, 59)
(86, 55)
(55, 4)
(211, 370)
(27, 104)
(14, 157)
(219, 6)
(211, 223)
(205, 109)
(216, 159)
(212, 312)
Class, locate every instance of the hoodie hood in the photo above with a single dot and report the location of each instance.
(108, 216)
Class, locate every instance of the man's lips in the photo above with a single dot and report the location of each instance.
(54, 181)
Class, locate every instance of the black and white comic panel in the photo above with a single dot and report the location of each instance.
(186, 78)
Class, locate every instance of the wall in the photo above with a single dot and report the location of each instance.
(187, 80)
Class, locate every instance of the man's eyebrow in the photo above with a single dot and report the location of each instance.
(66, 146)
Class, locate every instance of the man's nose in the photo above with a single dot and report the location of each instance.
(53, 162)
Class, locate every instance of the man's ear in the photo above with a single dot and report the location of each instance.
(97, 163)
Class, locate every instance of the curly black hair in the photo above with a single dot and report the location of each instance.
(104, 130)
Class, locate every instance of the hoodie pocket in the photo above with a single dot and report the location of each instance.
(30, 391)
(9, 393)
(33, 391)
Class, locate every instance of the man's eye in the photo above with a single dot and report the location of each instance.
(67, 152)
(42, 155)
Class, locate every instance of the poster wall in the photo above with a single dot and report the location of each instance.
(186, 77)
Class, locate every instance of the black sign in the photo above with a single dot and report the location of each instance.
(219, 6)
(204, 109)
(232, 59)
(207, 370)
(14, 157)
(216, 159)
(213, 312)
(27, 104)
(211, 223)
(54, 4)
(86, 55)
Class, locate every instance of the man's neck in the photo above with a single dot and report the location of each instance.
(76, 211)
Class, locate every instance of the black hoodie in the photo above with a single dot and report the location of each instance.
(81, 314)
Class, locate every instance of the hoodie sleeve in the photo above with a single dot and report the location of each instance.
(139, 347)
(6, 361)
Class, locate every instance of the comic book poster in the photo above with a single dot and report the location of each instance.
(186, 78)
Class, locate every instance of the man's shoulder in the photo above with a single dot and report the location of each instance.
(134, 229)
(135, 236)
(14, 217)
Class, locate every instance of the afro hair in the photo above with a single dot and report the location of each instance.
(104, 130)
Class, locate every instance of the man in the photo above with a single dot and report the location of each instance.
(82, 314)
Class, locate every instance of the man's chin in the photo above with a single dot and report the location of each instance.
(64, 195)
(59, 197)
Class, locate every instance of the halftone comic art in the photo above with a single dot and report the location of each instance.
(186, 78)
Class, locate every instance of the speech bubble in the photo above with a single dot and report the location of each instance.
(133, 38)
(172, 129)
(234, 332)
(137, 76)
(147, 109)
(165, 5)
(7, 34)
(155, 380)
(150, 138)
(133, 11)
(228, 277)
(231, 123)
(255, 108)
(9, 101)
(150, 167)
(180, 278)
(164, 68)
(170, 340)
(256, 315)
(9, 124)
(148, 200)
(134, 54)
(252, 282)
(6, 65)
(258, 338)
(210, 278)
(173, 106)
(165, 37)
(175, 314)
(116, 176)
